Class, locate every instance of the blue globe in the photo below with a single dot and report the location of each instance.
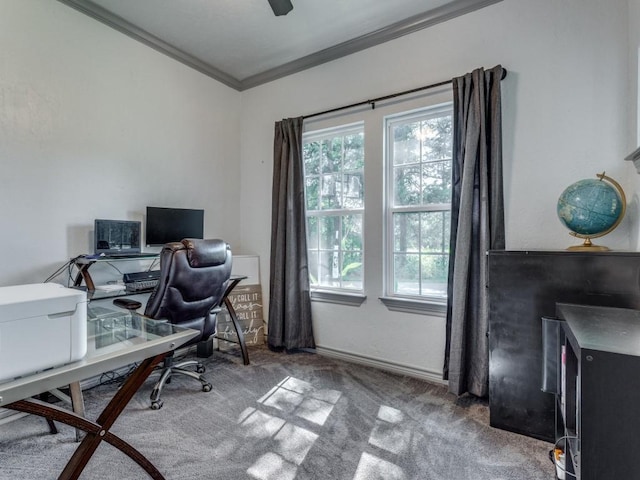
(590, 207)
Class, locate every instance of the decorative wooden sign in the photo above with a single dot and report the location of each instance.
(247, 302)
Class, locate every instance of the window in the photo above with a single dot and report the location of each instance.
(334, 194)
(418, 202)
(403, 221)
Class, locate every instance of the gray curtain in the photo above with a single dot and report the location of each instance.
(477, 225)
(289, 299)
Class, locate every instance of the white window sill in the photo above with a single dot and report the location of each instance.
(340, 298)
(421, 307)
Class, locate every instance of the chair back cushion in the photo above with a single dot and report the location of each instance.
(194, 275)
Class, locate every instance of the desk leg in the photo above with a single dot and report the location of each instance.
(77, 403)
(74, 399)
(83, 274)
(238, 327)
(99, 430)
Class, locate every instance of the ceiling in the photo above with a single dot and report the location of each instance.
(242, 44)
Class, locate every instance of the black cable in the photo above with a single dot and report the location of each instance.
(70, 279)
(114, 267)
(113, 377)
(68, 264)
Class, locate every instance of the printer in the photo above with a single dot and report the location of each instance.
(42, 325)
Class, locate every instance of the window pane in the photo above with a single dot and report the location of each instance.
(314, 272)
(406, 229)
(447, 231)
(312, 189)
(329, 232)
(312, 233)
(437, 137)
(351, 272)
(354, 151)
(436, 181)
(331, 192)
(407, 186)
(325, 270)
(406, 143)
(311, 156)
(433, 232)
(332, 155)
(352, 232)
(353, 190)
(407, 274)
(434, 275)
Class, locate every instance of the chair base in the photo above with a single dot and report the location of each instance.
(170, 369)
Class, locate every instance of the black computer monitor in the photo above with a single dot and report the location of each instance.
(164, 225)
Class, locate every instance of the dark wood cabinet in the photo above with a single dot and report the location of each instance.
(524, 286)
(599, 397)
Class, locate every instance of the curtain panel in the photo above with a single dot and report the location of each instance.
(289, 294)
(477, 225)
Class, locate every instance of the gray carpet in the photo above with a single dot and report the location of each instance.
(284, 417)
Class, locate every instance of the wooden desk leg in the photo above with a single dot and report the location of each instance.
(83, 274)
(98, 431)
(77, 403)
(108, 417)
(52, 426)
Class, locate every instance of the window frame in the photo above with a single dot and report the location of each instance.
(327, 293)
(397, 301)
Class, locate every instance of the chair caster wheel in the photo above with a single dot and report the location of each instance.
(200, 369)
(156, 405)
(207, 387)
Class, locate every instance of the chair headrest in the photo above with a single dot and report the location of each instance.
(205, 253)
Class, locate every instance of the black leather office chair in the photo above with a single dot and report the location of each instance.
(194, 275)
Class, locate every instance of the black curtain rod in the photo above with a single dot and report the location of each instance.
(373, 101)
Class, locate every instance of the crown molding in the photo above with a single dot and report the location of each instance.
(399, 29)
(117, 23)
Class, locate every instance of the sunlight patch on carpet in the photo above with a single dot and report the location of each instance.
(371, 467)
(259, 424)
(301, 398)
(389, 433)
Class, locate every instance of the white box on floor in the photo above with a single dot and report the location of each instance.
(42, 325)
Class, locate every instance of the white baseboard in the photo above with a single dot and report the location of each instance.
(408, 370)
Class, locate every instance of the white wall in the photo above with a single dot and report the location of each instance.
(633, 93)
(565, 117)
(634, 73)
(96, 125)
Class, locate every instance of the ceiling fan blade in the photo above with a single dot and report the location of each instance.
(281, 7)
